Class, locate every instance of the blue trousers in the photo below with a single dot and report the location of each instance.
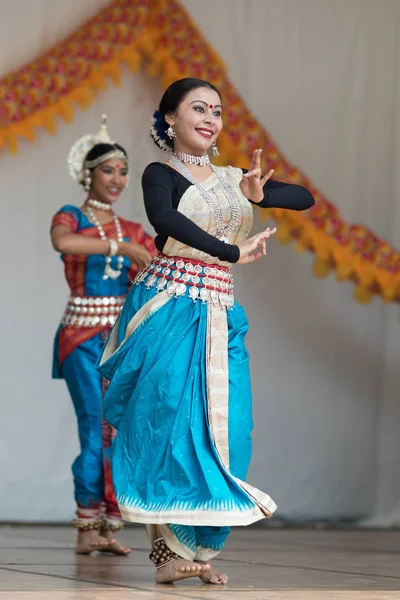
(85, 387)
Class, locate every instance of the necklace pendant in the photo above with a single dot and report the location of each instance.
(111, 273)
(224, 235)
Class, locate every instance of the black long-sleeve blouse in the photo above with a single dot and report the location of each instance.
(163, 187)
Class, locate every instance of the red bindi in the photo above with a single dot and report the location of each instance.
(118, 166)
(211, 106)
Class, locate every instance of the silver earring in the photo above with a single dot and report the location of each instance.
(127, 181)
(87, 180)
(170, 132)
(214, 149)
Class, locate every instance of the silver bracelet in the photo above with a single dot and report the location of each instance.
(113, 248)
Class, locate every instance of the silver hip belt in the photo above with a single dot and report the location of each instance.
(90, 311)
(188, 277)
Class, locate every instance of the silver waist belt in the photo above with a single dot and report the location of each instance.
(90, 311)
(197, 280)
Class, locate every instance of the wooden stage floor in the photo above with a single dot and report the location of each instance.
(38, 563)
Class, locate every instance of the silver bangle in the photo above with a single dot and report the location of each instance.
(113, 248)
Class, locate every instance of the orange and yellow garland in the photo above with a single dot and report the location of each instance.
(160, 36)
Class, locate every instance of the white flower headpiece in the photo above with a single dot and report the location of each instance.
(158, 131)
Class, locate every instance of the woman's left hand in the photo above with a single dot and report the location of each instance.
(252, 182)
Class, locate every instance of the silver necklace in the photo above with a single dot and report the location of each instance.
(99, 205)
(192, 159)
(109, 272)
(223, 230)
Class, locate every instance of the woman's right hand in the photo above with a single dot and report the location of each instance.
(137, 254)
(248, 249)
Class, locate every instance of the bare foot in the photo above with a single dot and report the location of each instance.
(213, 576)
(89, 541)
(113, 545)
(180, 569)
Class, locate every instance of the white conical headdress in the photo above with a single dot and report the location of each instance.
(83, 145)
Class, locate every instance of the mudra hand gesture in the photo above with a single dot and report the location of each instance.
(255, 247)
(252, 182)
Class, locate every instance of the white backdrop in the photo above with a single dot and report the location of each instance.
(323, 78)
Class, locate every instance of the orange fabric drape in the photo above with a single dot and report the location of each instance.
(160, 36)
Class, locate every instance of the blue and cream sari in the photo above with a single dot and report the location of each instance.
(179, 392)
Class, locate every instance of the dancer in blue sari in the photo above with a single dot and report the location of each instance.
(179, 392)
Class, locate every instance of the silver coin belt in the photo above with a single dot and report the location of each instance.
(182, 277)
(91, 311)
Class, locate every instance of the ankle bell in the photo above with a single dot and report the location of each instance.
(161, 555)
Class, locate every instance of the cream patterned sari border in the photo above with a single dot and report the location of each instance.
(214, 518)
(217, 370)
(151, 307)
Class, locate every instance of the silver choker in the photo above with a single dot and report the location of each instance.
(100, 205)
(193, 159)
